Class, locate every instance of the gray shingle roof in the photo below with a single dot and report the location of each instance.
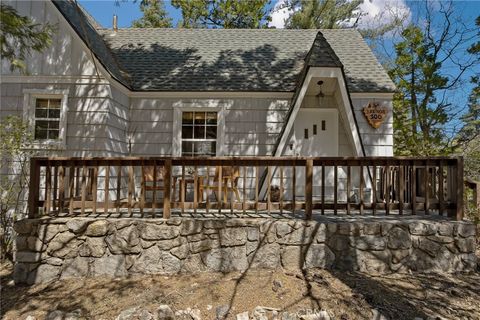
(226, 59)
(240, 59)
(363, 71)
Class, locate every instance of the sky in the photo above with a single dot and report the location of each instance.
(375, 11)
(128, 10)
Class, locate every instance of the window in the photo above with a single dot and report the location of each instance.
(199, 127)
(199, 133)
(46, 113)
(47, 119)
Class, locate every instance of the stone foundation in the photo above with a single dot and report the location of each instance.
(53, 248)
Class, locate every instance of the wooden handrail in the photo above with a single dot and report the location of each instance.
(415, 184)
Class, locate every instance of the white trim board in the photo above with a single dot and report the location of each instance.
(345, 114)
(49, 79)
(210, 94)
(371, 95)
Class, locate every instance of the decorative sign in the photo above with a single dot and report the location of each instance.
(375, 114)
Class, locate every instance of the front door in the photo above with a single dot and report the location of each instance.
(315, 135)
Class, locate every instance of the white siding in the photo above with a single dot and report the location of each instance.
(151, 126)
(66, 55)
(117, 123)
(251, 125)
(88, 111)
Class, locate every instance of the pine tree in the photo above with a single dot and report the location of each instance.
(418, 116)
(19, 35)
(322, 14)
(428, 70)
(469, 136)
(226, 14)
(154, 15)
(471, 118)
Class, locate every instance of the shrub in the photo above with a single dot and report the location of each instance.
(14, 159)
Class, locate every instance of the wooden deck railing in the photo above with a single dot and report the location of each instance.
(285, 185)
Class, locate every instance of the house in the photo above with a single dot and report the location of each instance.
(304, 117)
(184, 92)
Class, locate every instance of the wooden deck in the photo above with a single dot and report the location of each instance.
(242, 186)
(328, 215)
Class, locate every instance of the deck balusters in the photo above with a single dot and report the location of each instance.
(407, 185)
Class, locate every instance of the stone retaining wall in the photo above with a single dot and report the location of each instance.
(49, 249)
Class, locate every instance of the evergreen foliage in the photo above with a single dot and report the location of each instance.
(470, 134)
(419, 116)
(154, 15)
(428, 69)
(19, 35)
(226, 14)
(323, 14)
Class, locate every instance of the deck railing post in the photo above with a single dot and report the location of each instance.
(459, 210)
(167, 188)
(308, 188)
(34, 188)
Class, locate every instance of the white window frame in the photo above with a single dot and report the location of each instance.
(193, 107)
(29, 102)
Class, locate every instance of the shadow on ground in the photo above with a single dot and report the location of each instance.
(344, 294)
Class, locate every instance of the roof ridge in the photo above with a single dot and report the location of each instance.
(90, 18)
(321, 54)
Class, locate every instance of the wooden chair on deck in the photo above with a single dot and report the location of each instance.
(230, 178)
(149, 177)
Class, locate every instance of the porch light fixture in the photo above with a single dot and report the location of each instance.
(320, 93)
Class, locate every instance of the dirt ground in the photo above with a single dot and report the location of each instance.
(343, 295)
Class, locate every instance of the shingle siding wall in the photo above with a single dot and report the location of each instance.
(88, 134)
(251, 125)
(65, 56)
(88, 111)
(377, 142)
(97, 112)
(151, 126)
(117, 123)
